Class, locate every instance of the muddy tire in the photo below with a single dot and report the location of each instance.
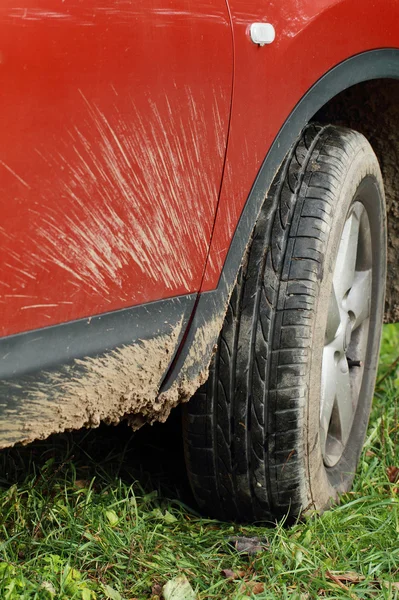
(279, 426)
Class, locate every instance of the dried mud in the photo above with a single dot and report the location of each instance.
(201, 351)
(108, 388)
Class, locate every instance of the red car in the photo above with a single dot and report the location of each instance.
(192, 183)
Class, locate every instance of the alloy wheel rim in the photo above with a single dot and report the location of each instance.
(346, 335)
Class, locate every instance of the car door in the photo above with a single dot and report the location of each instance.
(114, 120)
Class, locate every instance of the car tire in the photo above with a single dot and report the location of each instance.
(278, 428)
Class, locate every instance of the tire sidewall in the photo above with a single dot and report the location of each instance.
(325, 484)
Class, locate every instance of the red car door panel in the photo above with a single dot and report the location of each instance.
(114, 120)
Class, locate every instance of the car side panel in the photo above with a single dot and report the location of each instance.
(114, 120)
(312, 36)
(105, 368)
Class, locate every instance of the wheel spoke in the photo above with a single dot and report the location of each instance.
(344, 272)
(358, 299)
(328, 392)
(349, 307)
(344, 401)
(333, 318)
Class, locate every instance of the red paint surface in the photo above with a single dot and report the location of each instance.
(113, 118)
(114, 121)
(312, 36)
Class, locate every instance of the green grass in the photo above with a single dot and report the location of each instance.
(104, 514)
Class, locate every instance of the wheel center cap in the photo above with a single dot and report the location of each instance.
(348, 335)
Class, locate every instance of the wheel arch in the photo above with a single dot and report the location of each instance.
(324, 100)
(372, 108)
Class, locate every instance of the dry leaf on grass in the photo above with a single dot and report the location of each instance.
(156, 589)
(348, 577)
(111, 593)
(82, 483)
(252, 587)
(338, 579)
(393, 474)
(48, 586)
(178, 588)
(390, 585)
(247, 545)
(229, 574)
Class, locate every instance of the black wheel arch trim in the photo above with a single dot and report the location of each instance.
(26, 353)
(374, 64)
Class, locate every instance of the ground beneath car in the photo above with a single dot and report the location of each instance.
(107, 514)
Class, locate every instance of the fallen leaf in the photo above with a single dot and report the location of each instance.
(178, 588)
(250, 546)
(48, 586)
(335, 579)
(82, 483)
(393, 474)
(111, 593)
(258, 588)
(252, 587)
(112, 517)
(392, 585)
(229, 574)
(169, 518)
(348, 577)
(156, 589)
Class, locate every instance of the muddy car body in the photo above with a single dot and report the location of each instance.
(140, 141)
